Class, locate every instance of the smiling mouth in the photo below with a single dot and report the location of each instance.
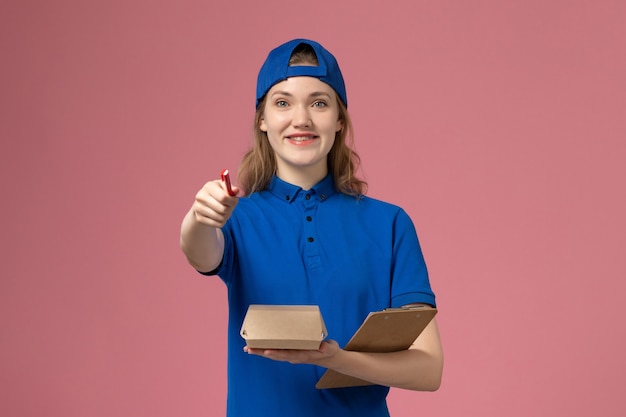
(301, 138)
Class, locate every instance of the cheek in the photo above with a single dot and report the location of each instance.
(333, 126)
(274, 123)
(271, 130)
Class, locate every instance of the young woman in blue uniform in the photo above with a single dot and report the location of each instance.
(299, 230)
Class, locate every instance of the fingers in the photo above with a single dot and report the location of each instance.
(213, 205)
(285, 355)
(327, 349)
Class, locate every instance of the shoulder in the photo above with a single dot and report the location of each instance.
(383, 205)
(373, 205)
(376, 213)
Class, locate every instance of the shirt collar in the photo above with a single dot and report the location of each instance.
(288, 193)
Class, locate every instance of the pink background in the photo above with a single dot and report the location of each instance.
(500, 126)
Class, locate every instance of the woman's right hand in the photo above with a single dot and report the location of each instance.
(213, 205)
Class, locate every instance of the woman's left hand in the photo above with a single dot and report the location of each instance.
(327, 350)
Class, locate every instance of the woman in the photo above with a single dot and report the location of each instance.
(303, 232)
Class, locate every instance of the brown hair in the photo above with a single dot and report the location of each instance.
(259, 164)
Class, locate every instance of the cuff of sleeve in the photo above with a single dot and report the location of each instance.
(211, 273)
(413, 298)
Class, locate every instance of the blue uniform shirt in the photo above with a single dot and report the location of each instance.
(350, 256)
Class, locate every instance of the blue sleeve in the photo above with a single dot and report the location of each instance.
(409, 275)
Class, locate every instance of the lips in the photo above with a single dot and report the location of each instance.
(302, 137)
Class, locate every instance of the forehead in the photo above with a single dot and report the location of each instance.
(304, 86)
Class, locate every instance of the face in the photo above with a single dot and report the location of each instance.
(301, 118)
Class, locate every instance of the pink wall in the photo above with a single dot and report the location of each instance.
(502, 123)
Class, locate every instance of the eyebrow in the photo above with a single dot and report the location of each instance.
(288, 94)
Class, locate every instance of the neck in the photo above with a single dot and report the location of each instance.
(305, 178)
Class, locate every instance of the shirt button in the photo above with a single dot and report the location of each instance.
(309, 218)
(323, 197)
(287, 197)
(308, 197)
(310, 239)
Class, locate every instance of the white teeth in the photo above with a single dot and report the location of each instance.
(301, 138)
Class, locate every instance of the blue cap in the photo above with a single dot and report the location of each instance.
(276, 69)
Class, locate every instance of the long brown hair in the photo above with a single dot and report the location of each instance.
(258, 165)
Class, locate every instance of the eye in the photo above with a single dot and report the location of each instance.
(320, 104)
(281, 103)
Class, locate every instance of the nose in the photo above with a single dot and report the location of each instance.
(301, 117)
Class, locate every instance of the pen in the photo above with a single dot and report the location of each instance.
(226, 178)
